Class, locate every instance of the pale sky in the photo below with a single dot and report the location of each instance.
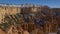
(50, 3)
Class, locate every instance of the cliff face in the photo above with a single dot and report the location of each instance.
(57, 14)
(8, 11)
(30, 19)
(2, 32)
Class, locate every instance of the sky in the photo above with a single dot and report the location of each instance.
(50, 3)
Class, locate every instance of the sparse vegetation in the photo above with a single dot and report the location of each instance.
(31, 21)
